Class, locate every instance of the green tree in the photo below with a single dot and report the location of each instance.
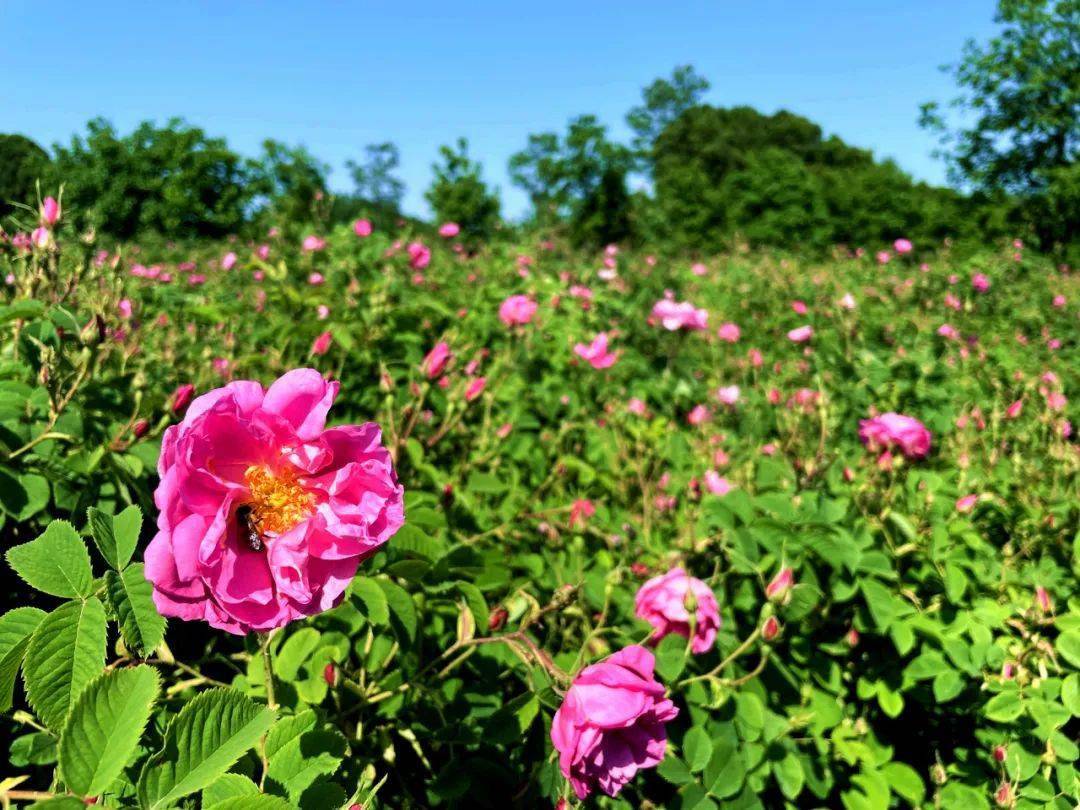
(374, 178)
(458, 193)
(288, 179)
(663, 101)
(570, 178)
(1019, 98)
(172, 180)
(22, 164)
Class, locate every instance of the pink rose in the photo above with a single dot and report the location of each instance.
(728, 332)
(611, 723)
(517, 310)
(264, 514)
(50, 212)
(847, 302)
(728, 394)
(475, 389)
(321, 344)
(667, 603)
(311, 244)
(966, 503)
(362, 227)
(894, 430)
(902, 246)
(125, 308)
(228, 261)
(596, 354)
(716, 483)
(801, 334)
(980, 282)
(780, 585)
(448, 230)
(679, 315)
(436, 360)
(419, 255)
(637, 407)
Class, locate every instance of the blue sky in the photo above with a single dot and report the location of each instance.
(338, 75)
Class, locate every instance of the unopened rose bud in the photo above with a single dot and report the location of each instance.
(497, 618)
(639, 569)
(140, 428)
(1003, 796)
(852, 637)
(1007, 671)
(770, 630)
(329, 674)
(50, 212)
(999, 753)
(1043, 600)
(182, 397)
(562, 804)
(938, 775)
(778, 589)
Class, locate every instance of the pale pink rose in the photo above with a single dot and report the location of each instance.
(582, 292)
(756, 358)
(125, 308)
(312, 244)
(847, 302)
(1059, 301)
(596, 354)
(611, 723)
(1043, 600)
(698, 269)
(728, 394)
(228, 261)
(716, 483)
(321, 344)
(780, 585)
(637, 407)
(980, 282)
(894, 430)
(41, 238)
(948, 331)
(362, 227)
(728, 332)
(801, 334)
(679, 315)
(1056, 401)
(448, 230)
(322, 312)
(883, 257)
(263, 252)
(966, 503)
(674, 601)
(264, 514)
(902, 246)
(699, 414)
(316, 279)
(768, 449)
(517, 310)
(799, 307)
(435, 361)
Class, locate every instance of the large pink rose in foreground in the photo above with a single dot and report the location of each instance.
(611, 723)
(264, 513)
(666, 602)
(890, 430)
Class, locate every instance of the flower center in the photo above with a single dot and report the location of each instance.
(278, 502)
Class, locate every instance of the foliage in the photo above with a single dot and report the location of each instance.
(927, 654)
(374, 178)
(458, 194)
(663, 101)
(290, 181)
(22, 163)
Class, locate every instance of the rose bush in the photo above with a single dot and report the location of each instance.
(669, 568)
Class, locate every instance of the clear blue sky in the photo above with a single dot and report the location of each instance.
(337, 75)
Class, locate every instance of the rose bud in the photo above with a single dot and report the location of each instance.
(140, 428)
(329, 674)
(999, 753)
(852, 637)
(770, 630)
(498, 618)
(778, 589)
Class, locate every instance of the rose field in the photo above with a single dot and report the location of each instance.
(366, 517)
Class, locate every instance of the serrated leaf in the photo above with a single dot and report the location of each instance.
(103, 729)
(1004, 708)
(213, 731)
(402, 609)
(56, 563)
(258, 802)
(373, 600)
(16, 628)
(726, 770)
(115, 536)
(66, 652)
(670, 656)
(674, 770)
(228, 786)
(132, 600)
(1068, 647)
(299, 762)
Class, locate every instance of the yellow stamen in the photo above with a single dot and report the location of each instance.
(278, 502)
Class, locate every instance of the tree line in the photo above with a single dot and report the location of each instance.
(704, 177)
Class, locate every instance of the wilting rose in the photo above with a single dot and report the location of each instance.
(517, 310)
(264, 513)
(611, 723)
(894, 430)
(673, 602)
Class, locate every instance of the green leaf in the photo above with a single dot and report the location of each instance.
(294, 652)
(789, 775)
(298, 763)
(905, 782)
(1004, 707)
(749, 715)
(56, 563)
(213, 731)
(66, 652)
(671, 656)
(474, 598)
(258, 802)
(947, 685)
(16, 628)
(485, 483)
(726, 771)
(228, 786)
(1070, 694)
(697, 748)
(1068, 646)
(115, 536)
(373, 600)
(880, 602)
(672, 769)
(402, 609)
(803, 600)
(131, 598)
(104, 728)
